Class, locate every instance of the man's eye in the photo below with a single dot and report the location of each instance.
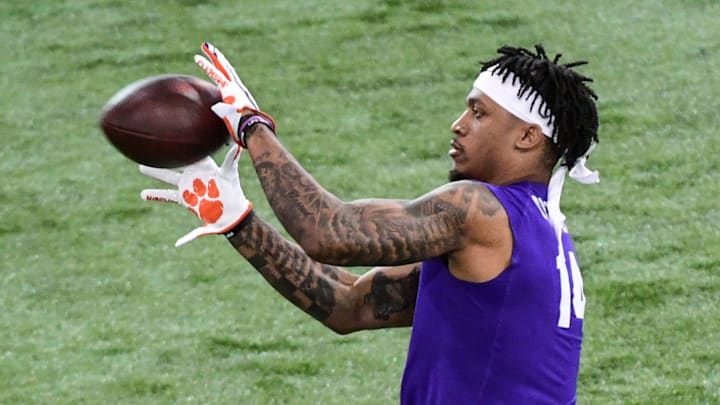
(477, 113)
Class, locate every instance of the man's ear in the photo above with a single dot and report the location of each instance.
(531, 137)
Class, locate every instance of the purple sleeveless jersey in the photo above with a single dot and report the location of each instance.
(513, 340)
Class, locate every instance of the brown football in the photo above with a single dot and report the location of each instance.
(164, 121)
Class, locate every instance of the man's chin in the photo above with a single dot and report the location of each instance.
(455, 175)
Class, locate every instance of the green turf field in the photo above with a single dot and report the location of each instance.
(97, 306)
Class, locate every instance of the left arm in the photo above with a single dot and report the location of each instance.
(342, 301)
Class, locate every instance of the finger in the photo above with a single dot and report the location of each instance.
(231, 159)
(218, 59)
(205, 166)
(215, 75)
(166, 175)
(162, 195)
(221, 62)
(226, 68)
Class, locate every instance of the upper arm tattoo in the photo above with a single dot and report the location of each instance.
(373, 232)
(395, 233)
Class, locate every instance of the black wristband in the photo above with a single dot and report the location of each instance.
(250, 121)
(237, 228)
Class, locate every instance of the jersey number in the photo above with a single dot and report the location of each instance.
(568, 301)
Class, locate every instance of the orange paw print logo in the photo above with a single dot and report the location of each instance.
(202, 201)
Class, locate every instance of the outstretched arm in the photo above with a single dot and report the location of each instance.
(365, 232)
(342, 301)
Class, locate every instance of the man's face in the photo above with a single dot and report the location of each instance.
(484, 136)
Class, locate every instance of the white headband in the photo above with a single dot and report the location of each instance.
(506, 94)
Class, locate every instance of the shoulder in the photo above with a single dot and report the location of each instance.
(473, 203)
(487, 238)
(474, 196)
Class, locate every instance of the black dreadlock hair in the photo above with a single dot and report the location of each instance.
(567, 102)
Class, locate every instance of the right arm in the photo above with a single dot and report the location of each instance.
(344, 302)
(372, 232)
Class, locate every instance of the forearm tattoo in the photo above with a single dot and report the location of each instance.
(313, 286)
(307, 284)
(384, 233)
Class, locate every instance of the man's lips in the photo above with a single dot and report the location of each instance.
(455, 149)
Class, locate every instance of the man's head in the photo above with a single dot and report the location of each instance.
(525, 111)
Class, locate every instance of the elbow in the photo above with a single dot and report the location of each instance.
(349, 315)
(342, 330)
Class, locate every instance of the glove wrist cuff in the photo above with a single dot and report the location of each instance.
(248, 121)
(240, 225)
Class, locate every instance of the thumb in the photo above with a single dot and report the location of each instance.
(192, 235)
(231, 159)
(229, 114)
(223, 110)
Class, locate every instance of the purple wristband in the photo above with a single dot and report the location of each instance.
(246, 123)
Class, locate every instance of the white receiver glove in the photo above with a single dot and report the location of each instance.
(212, 193)
(238, 104)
